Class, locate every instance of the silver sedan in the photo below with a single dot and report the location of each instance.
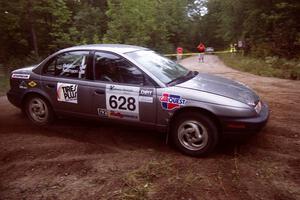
(134, 85)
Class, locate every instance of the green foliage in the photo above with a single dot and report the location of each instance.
(57, 20)
(37, 28)
(204, 28)
(269, 27)
(31, 29)
(89, 25)
(271, 66)
(156, 24)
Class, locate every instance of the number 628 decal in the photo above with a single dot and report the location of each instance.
(122, 103)
(123, 99)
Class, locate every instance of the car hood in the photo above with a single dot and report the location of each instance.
(26, 69)
(221, 86)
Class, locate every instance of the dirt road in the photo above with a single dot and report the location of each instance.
(76, 159)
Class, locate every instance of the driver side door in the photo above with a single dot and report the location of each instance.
(121, 91)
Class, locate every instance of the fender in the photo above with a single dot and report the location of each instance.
(36, 91)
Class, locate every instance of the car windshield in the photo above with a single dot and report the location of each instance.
(162, 68)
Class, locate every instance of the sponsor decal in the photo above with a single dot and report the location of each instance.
(102, 112)
(122, 89)
(120, 115)
(32, 84)
(146, 95)
(20, 76)
(145, 99)
(122, 98)
(122, 101)
(69, 68)
(171, 101)
(23, 85)
(146, 92)
(114, 114)
(67, 92)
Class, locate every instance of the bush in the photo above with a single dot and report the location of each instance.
(271, 66)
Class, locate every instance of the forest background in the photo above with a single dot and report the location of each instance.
(32, 29)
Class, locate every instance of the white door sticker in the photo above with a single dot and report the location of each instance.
(146, 95)
(67, 92)
(21, 76)
(123, 101)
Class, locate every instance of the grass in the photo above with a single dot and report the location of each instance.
(138, 182)
(163, 179)
(270, 66)
(4, 82)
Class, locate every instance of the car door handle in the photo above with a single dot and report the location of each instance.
(99, 91)
(50, 86)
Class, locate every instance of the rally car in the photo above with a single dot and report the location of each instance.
(135, 85)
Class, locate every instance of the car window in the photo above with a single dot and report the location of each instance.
(112, 68)
(69, 64)
(162, 68)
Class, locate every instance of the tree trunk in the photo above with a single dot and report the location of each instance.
(32, 29)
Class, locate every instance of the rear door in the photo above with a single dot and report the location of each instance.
(121, 90)
(65, 80)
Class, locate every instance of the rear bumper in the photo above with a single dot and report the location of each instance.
(246, 125)
(14, 98)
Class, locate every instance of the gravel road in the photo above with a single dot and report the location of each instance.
(76, 159)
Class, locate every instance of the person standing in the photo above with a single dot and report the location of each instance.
(179, 51)
(201, 49)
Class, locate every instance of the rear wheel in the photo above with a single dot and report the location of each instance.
(194, 134)
(38, 110)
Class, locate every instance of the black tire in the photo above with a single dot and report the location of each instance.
(38, 110)
(194, 134)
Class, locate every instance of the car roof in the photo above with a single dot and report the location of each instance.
(117, 48)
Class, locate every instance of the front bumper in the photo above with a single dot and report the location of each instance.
(14, 98)
(246, 125)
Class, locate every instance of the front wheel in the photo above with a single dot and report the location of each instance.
(194, 134)
(38, 110)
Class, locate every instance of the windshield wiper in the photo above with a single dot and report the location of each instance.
(185, 77)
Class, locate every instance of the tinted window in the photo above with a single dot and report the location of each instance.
(112, 68)
(69, 64)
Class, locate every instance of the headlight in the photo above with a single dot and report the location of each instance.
(258, 107)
